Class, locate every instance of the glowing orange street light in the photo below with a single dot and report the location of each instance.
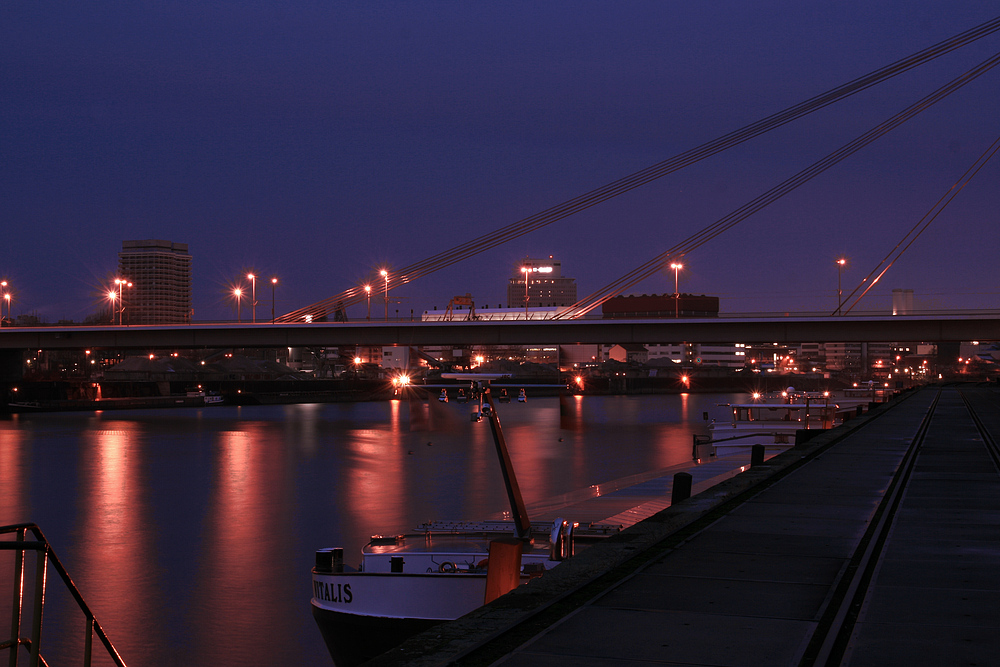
(274, 281)
(112, 295)
(840, 293)
(527, 272)
(368, 295)
(6, 297)
(238, 293)
(676, 266)
(385, 275)
(253, 295)
(120, 282)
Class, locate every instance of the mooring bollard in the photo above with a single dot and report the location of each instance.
(756, 455)
(682, 487)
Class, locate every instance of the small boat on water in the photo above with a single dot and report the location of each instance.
(443, 396)
(441, 570)
(522, 397)
(504, 396)
(772, 421)
(462, 398)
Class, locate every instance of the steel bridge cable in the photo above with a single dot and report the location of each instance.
(642, 177)
(923, 224)
(725, 223)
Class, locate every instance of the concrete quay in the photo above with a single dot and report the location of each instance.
(875, 543)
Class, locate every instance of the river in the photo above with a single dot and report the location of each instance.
(191, 532)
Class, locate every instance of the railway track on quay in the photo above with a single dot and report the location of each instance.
(839, 633)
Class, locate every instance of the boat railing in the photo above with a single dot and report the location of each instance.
(44, 556)
(507, 527)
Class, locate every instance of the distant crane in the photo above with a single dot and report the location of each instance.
(465, 300)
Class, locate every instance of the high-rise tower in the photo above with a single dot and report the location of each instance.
(160, 273)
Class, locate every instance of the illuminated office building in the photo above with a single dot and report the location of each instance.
(545, 285)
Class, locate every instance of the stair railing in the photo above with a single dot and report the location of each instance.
(44, 555)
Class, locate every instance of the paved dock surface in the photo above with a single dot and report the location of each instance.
(879, 548)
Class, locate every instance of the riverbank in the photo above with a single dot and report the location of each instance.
(62, 396)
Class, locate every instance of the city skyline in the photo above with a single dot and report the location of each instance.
(320, 145)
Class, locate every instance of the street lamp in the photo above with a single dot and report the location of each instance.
(527, 272)
(6, 297)
(274, 281)
(124, 308)
(253, 295)
(368, 295)
(238, 293)
(840, 294)
(121, 283)
(112, 295)
(385, 274)
(676, 266)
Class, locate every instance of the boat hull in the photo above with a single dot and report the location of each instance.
(353, 639)
(364, 614)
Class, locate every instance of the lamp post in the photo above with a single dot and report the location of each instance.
(6, 297)
(274, 281)
(121, 284)
(238, 293)
(112, 295)
(527, 272)
(385, 274)
(676, 266)
(253, 295)
(840, 294)
(368, 295)
(128, 285)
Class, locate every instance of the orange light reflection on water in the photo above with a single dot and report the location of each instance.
(376, 482)
(246, 542)
(13, 475)
(114, 570)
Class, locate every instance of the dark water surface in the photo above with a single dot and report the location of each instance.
(191, 532)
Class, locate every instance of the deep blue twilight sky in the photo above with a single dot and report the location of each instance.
(317, 141)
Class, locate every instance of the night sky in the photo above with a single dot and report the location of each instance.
(320, 141)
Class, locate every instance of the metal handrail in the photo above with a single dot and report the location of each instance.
(45, 555)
